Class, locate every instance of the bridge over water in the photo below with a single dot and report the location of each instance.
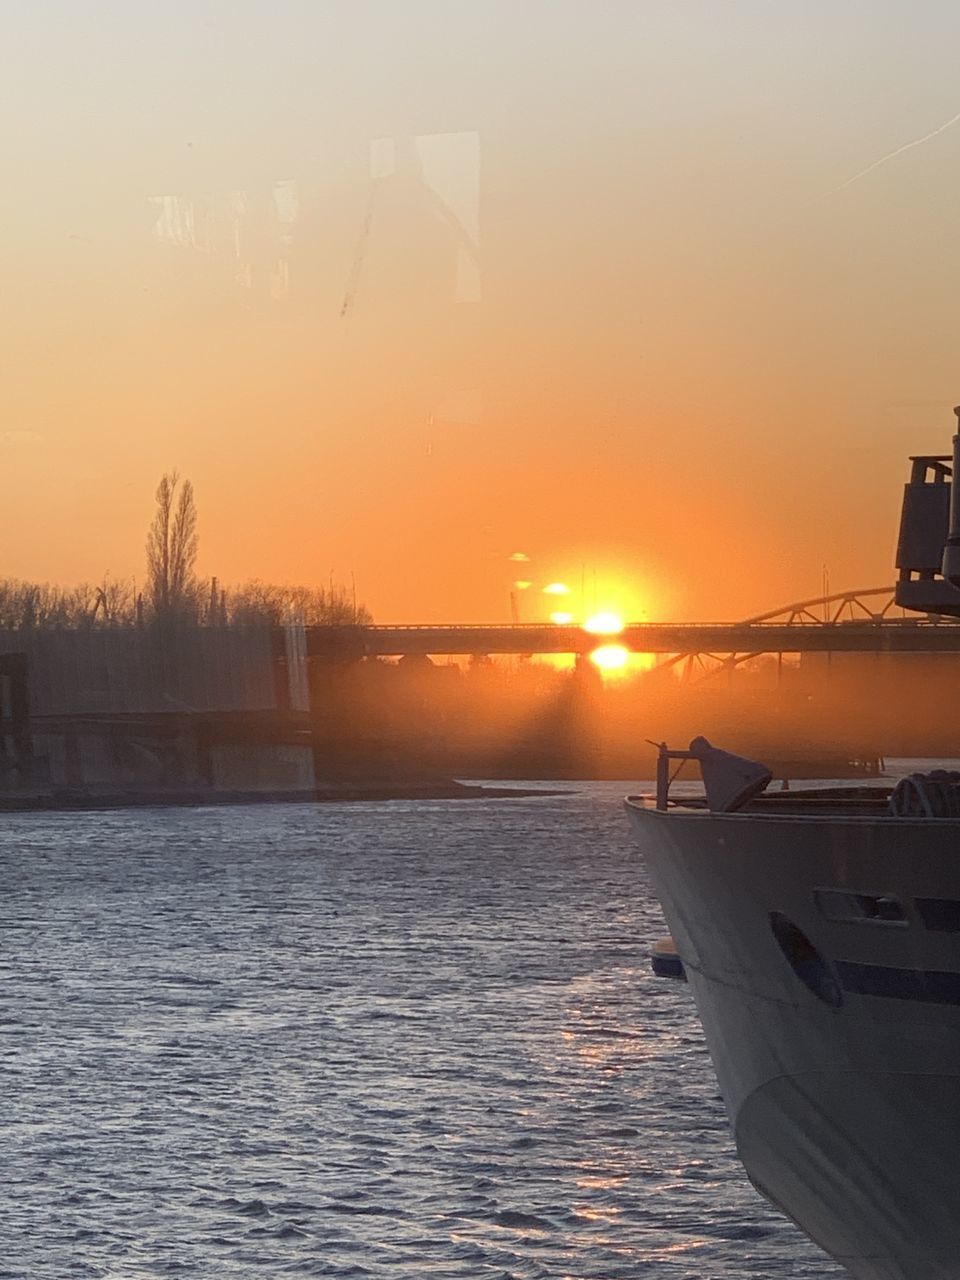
(863, 621)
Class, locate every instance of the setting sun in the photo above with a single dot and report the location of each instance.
(605, 623)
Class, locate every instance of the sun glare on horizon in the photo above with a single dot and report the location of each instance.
(604, 623)
(611, 659)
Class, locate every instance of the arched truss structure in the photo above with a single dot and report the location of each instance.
(821, 611)
(842, 607)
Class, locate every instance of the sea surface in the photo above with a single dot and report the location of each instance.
(408, 1039)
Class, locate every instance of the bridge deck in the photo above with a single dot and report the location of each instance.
(885, 635)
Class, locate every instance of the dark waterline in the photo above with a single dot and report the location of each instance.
(395, 1039)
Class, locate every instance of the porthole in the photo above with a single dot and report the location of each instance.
(805, 960)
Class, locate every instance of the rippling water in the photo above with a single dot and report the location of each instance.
(391, 1040)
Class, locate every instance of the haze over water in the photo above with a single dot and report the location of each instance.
(380, 1040)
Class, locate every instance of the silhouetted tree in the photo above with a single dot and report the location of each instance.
(172, 548)
(38, 605)
(113, 602)
(265, 602)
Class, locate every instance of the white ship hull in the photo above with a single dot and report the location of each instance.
(839, 1063)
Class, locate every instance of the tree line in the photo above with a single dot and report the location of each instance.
(173, 591)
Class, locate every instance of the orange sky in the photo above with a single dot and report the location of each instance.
(407, 289)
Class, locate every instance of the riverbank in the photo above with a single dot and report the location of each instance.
(67, 800)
